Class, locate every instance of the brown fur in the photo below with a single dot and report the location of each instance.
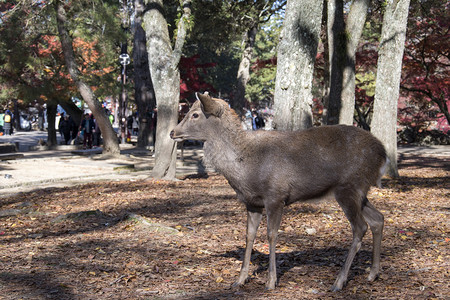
(270, 169)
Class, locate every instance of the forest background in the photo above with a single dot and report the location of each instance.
(100, 241)
(53, 51)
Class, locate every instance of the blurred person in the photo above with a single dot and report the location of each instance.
(65, 129)
(257, 121)
(2, 122)
(135, 124)
(87, 127)
(73, 128)
(96, 134)
(7, 125)
(61, 120)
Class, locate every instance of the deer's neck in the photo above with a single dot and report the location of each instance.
(225, 151)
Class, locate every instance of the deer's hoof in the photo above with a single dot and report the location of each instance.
(372, 277)
(237, 284)
(335, 288)
(338, 285)
(270, 286)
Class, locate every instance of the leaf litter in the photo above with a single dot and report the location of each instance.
(154, 239)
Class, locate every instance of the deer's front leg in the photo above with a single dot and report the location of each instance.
(274, 213)
(254, 216)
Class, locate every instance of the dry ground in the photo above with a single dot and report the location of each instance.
(116, 240)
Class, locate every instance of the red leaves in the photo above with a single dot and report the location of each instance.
(191, 79)
(425, 79)
(261, 64)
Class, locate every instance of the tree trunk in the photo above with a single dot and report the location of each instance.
(243, 75)
(72, 110)
(343, 42)
(163, 63)
(51, 119)
(325, 90)
(15, 124)
(123, 97)
(336, 47)
(390, 54)
(295, 65)
(144, 94)
(354, 28)
(110, 143)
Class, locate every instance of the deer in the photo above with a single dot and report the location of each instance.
(269, 170)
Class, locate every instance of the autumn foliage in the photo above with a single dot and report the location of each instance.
(426, 73)
(86, 51)
(191, 76)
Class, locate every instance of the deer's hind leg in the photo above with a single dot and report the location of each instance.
(351, 202)
(274, 213)
(375, 219)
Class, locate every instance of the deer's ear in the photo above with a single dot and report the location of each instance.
(210, 105)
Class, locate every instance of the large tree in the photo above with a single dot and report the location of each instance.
(110, 142)
(253, 14)
(17, 74)
(261, 86)
(296, 56)
(35, 67)
(343, 39)
(163, 63)
(389, 68)
(31, 62)
(144, 95)
(243, 75)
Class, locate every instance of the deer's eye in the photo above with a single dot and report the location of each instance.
(195, 115)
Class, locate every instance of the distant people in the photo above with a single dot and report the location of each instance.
(41, 117)
(247, 119)
(65, 129)
(7, 126)
(97, 133)
(153, 123)
(129, 124)
(135, 124)
(61, 120)
(257, 121)
(111, 117)
(87, 126)
(2, 122)
(73, 128)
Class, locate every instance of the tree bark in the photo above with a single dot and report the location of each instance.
(163, 64)
(144, 94)
(343, 41)
(336, 54)
(243, 75)
(123, 97)
(390, 54)
(354, 28)
(295, 65)
(72, 110)
(51, 119)
(325, 90)
(110, 143)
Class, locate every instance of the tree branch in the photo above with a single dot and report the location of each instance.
(182, 32)
(442, 104)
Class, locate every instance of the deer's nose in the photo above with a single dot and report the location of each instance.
(171, 134)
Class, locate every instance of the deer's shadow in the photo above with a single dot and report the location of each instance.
(330, 258)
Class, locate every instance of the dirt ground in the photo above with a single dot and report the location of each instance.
(148, 239)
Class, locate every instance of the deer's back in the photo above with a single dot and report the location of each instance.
(307, 164)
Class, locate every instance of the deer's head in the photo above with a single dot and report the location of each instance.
(200, 121)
